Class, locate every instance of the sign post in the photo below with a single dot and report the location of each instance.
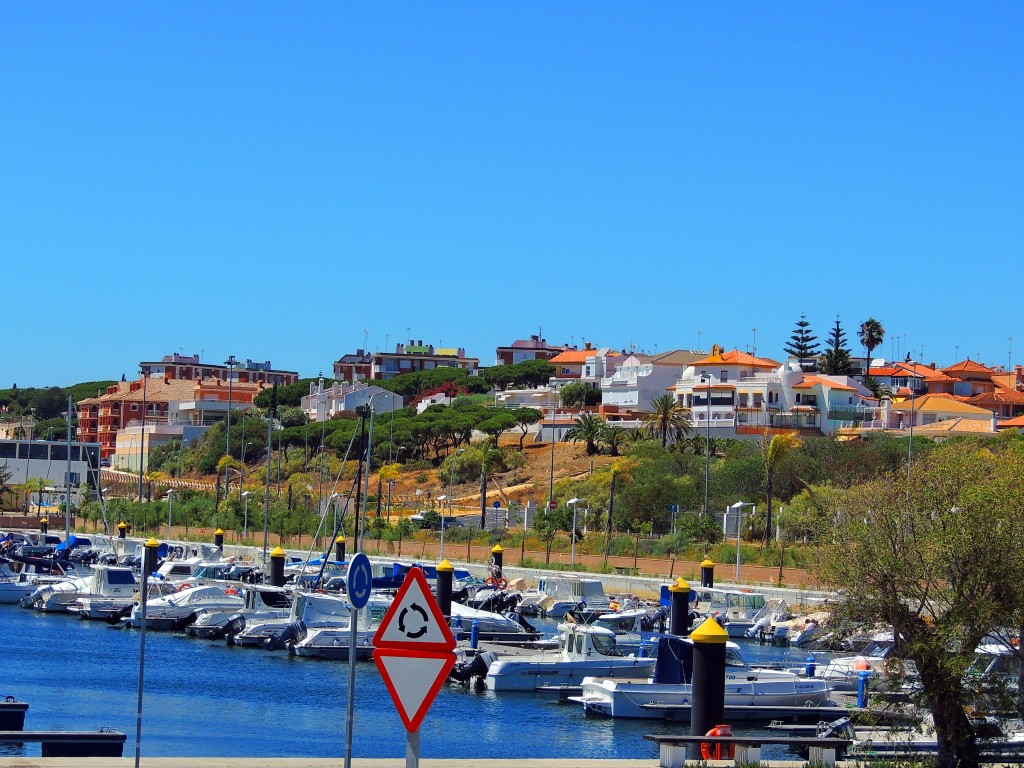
(358, 580)
(413, 652)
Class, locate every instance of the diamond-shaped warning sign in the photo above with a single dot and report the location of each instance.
(414, 621)
(413, 678)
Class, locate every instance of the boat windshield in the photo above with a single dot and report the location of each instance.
(733, 658)
(605, 645)
(616, 624)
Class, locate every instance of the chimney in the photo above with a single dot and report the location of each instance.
(587, 345)
(933, 365)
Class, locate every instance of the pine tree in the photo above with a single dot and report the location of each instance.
(837, 360)
(802, 344)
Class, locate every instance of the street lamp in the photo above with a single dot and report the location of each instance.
(170, 508)
(738, 506)
(572, 503)
(369, 455)
(230, 363)
(551, 475)
(707, 446)
(142, 436)
(245, 515)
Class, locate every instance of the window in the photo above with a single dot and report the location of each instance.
(724, 376)
(135, 406)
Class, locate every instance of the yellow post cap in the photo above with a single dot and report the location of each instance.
(43, 520)
(497, 548)
(122, 525)
(218, 532)
(709, 631)
(707, 563)
(152, 543)
(680, 585)
(445, 566)
(340, 540)
(277, 552)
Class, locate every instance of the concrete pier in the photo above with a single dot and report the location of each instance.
(306, 762)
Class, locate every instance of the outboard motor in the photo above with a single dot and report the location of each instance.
(234, 625)
(184, 621)
(474, 670)
(290, 635)
(123, 613)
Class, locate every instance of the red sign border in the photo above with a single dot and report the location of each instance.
(413, 724)
(414, 574)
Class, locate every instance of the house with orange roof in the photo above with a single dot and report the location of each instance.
(930, 409)
(734, 394)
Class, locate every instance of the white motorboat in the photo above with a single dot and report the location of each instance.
(843, 672)
(334, 642)
(310, 610)
(627, 625)
(556, 595)
(668, 693)
(178, 610)
(736, 610)
(14, 586)
(105, 590)
(585, 651)
(261, 603)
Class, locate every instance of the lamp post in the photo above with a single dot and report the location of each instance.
(738, 506)
(551, 475)
(369, 455)
(230, 363)
(170, 509)
(450, 497)
(573, 502)
(707, 447)
(245, 515)
(142, 436)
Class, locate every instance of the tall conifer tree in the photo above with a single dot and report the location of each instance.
(802, 344)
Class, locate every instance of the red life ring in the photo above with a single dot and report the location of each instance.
(184, 586)
(490, 581)
(230, 591)
(502, 584)
(715, 751)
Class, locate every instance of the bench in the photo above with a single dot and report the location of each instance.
(675, 750)
(101, 743)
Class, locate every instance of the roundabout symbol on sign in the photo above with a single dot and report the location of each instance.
(421, 629)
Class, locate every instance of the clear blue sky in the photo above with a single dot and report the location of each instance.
(275, 180)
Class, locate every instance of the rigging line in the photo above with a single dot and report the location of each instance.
(309, 554)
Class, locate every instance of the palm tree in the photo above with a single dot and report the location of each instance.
(773, 450)
(872, 334)
(669, 419)
(614, 438)
(588, 429)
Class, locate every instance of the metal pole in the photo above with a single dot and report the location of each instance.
(142, 662)
(707, 450)
(266, 496)
(67, 505)
(572, 558)
(170, 510)
(142, 435)
(350, 702)
(366, 486)
(551, 476)
(230, 363)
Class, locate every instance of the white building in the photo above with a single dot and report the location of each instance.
(323, 403)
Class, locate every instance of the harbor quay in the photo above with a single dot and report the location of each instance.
(304, 762)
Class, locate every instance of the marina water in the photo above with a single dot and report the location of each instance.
(206, 698)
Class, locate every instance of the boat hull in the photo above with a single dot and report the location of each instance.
(656, 701)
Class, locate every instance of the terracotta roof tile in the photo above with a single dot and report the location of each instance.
(735, 357)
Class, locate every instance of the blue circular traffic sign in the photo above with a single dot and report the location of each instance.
(359, 580)
(497, 505)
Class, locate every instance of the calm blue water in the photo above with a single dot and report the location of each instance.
(209, 699)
